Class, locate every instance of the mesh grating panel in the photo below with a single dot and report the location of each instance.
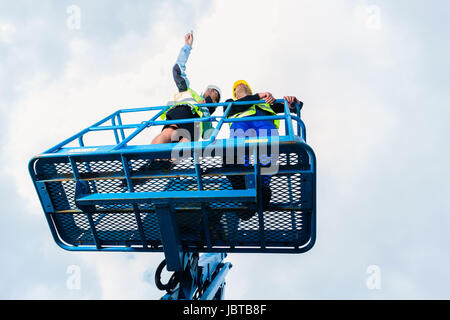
(53, 170)
(62, 194)
(137, 164)
(210, 163)
(230, 224)
(216, 183)
(108, 186)
(150, 185)
(116, 227)
(74, 228)
(182, 184)
(286, 189)
(151, 227)
(282, 226)
(299, 160)
(184, 164)
(84, 168)
(165, 184)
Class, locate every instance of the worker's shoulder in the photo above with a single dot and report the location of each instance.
(254, 97)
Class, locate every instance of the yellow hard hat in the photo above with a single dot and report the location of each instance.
(238, 83)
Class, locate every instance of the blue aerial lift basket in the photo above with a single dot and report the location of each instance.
(99, 198)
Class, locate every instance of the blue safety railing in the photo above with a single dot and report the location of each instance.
(121, 140)
(96, 198)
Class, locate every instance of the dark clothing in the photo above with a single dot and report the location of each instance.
(211, 109)
(179, 69)
(276, 107)
(181, 83)
(178, 78)
(252, 128)
(184, 112)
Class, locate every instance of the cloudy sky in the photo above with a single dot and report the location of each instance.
(374, 77)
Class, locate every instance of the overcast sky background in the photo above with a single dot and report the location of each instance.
(374, 77)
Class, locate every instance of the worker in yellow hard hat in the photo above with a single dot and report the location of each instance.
(244, 84)
(260, 128)
(243, 92)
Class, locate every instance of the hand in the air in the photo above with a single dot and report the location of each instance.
(189, 38)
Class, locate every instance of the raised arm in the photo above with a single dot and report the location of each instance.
(179, 69)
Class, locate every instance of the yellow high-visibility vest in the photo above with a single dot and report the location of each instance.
(190, 98)
(252, 111)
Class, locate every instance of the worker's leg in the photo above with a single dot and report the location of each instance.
(266, 129)
(237, 130)
(186, 131)
(243, 130)
(169, 134)
(166, 135)
(182, 132)
(172, 133)
(261, 129)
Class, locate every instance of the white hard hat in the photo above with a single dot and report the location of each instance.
(211, 86)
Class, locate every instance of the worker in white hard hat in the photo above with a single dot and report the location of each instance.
(184, 103)
(184, 106)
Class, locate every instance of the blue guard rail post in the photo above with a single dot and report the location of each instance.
(108, 198)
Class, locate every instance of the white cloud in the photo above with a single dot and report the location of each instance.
(370, 16)
(48, 113)
(7, 32)
(136, 71)
(78, 46)
(123, 276)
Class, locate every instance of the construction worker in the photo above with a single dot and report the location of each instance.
(184, 107)
(243, 92)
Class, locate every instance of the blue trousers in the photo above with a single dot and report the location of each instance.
(255, 129)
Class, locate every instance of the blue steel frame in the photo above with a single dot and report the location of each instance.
(122, 148)
(122, 140)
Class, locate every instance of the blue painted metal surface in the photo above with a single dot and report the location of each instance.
(119, 210)
(201, 278)
(99, 198)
